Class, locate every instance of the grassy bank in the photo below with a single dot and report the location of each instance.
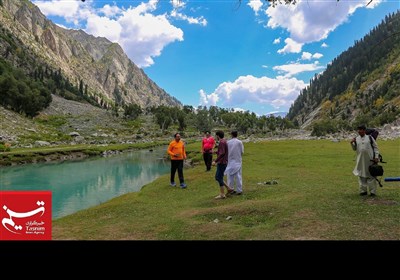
(316, 198)
(42, 154)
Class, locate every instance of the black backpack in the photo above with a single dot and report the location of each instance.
(370, 141)
(373, 132)
(375, 169)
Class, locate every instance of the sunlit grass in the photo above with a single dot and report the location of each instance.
(315, 198)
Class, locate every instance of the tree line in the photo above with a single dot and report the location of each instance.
(205, 118)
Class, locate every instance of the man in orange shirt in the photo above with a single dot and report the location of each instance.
(177, 153)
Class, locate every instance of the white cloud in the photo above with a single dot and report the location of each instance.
(104, 27)
(178, 4)
(280, 92)
(66, 9)
(110, 11)
(317, 55)
(324, 45)
(306, 56)
(145, 35)
(208, 100)
(255, 5)
(309, 56)
(292, 69)
(191, 20)
(291, 46)
(140, 33)
(277, 41)
(237, 109)
(311, 20)
(373, 4)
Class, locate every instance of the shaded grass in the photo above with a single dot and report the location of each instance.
(316, 198)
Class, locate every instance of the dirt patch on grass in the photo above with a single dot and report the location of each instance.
(378, 201)
(303, 225)
(226, 221)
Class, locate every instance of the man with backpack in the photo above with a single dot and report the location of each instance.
(367, 154)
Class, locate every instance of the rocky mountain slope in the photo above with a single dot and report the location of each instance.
(67, 122)
(102, 66)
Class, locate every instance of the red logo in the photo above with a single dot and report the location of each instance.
(25, 215)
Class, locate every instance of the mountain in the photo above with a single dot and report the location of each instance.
(30, 42)
(361, 85)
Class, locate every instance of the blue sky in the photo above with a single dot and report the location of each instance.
(244, 55)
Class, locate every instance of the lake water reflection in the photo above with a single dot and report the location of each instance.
(78, 185)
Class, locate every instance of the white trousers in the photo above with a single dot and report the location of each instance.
(231, 178)
(366, 183)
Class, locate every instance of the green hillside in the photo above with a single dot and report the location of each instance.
(361, 85)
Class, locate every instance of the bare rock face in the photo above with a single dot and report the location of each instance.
(102, 65)
(49, 39)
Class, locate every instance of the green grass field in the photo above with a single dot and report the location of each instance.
(316, 198)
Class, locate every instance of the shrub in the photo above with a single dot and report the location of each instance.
(5, 147)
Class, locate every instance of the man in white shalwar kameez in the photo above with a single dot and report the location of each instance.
(234, 168)
(367, 154)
